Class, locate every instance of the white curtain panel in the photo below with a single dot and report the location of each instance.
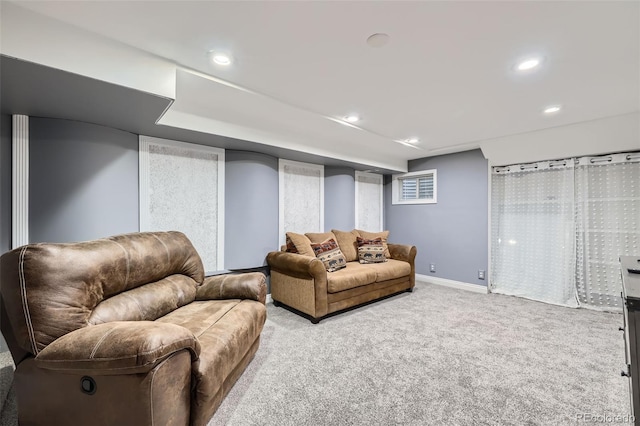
(369, 205)
(533, 232)
(301, 197)
(608, 225)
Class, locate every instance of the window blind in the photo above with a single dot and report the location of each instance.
(418, 188)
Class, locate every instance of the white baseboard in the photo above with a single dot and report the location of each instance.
(269, 298)
(452, 283)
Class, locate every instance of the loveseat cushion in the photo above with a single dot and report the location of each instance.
(226, 330)
(348, 244)
(318, 237)
(389, 270)
(354, 275)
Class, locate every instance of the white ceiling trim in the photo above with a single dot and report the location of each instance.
(36, 38)
(291, 105)
(607, 135)
(183, 120)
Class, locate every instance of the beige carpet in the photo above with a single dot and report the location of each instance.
(437, 356)
(8, 408)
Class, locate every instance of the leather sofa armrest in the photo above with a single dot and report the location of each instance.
(250, 285)
(118, 347)
(403, 252)
(296, 265)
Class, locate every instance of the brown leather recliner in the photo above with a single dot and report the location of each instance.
(125, 331)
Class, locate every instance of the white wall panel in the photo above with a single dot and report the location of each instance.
(301, 188)
(369, 205)
(20, 181)
(182, 189)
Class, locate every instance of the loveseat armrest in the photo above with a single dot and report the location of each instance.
(296, 265)
(118, 347)
(250, 285)
(403, 252)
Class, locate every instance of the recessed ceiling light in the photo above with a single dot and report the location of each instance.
(552, 109)
(351, 118)
(412, 140)
(528, 64)
(220, 58)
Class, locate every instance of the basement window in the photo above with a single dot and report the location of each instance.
(415, 187)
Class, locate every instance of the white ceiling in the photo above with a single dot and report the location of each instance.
(446, 76)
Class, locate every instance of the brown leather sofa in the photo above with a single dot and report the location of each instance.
(302, 282)
(125, 331)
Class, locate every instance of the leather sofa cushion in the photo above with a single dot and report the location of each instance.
(226, 330)
(51, 289)
(117, 347)
(146, 303)
(354, 275)
(248, 285)
(390, 269)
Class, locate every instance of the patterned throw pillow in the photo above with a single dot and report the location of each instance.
(302, 244)
(371, 251)
(330, 255)
(291, 248)
(384, 235)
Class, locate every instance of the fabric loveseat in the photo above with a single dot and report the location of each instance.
(125, 330)
(302, 281)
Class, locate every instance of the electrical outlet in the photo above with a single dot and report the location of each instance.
(480, 274)
(432, 267)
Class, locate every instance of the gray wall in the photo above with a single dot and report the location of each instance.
(83, 181)
(84, 185)
(251, 208)
(5, 182)
(339, 198)
(452, 234)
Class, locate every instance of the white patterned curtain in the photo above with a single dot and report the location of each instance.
(533, 232)
(369, 205)
(301, 198)
(608, 225)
